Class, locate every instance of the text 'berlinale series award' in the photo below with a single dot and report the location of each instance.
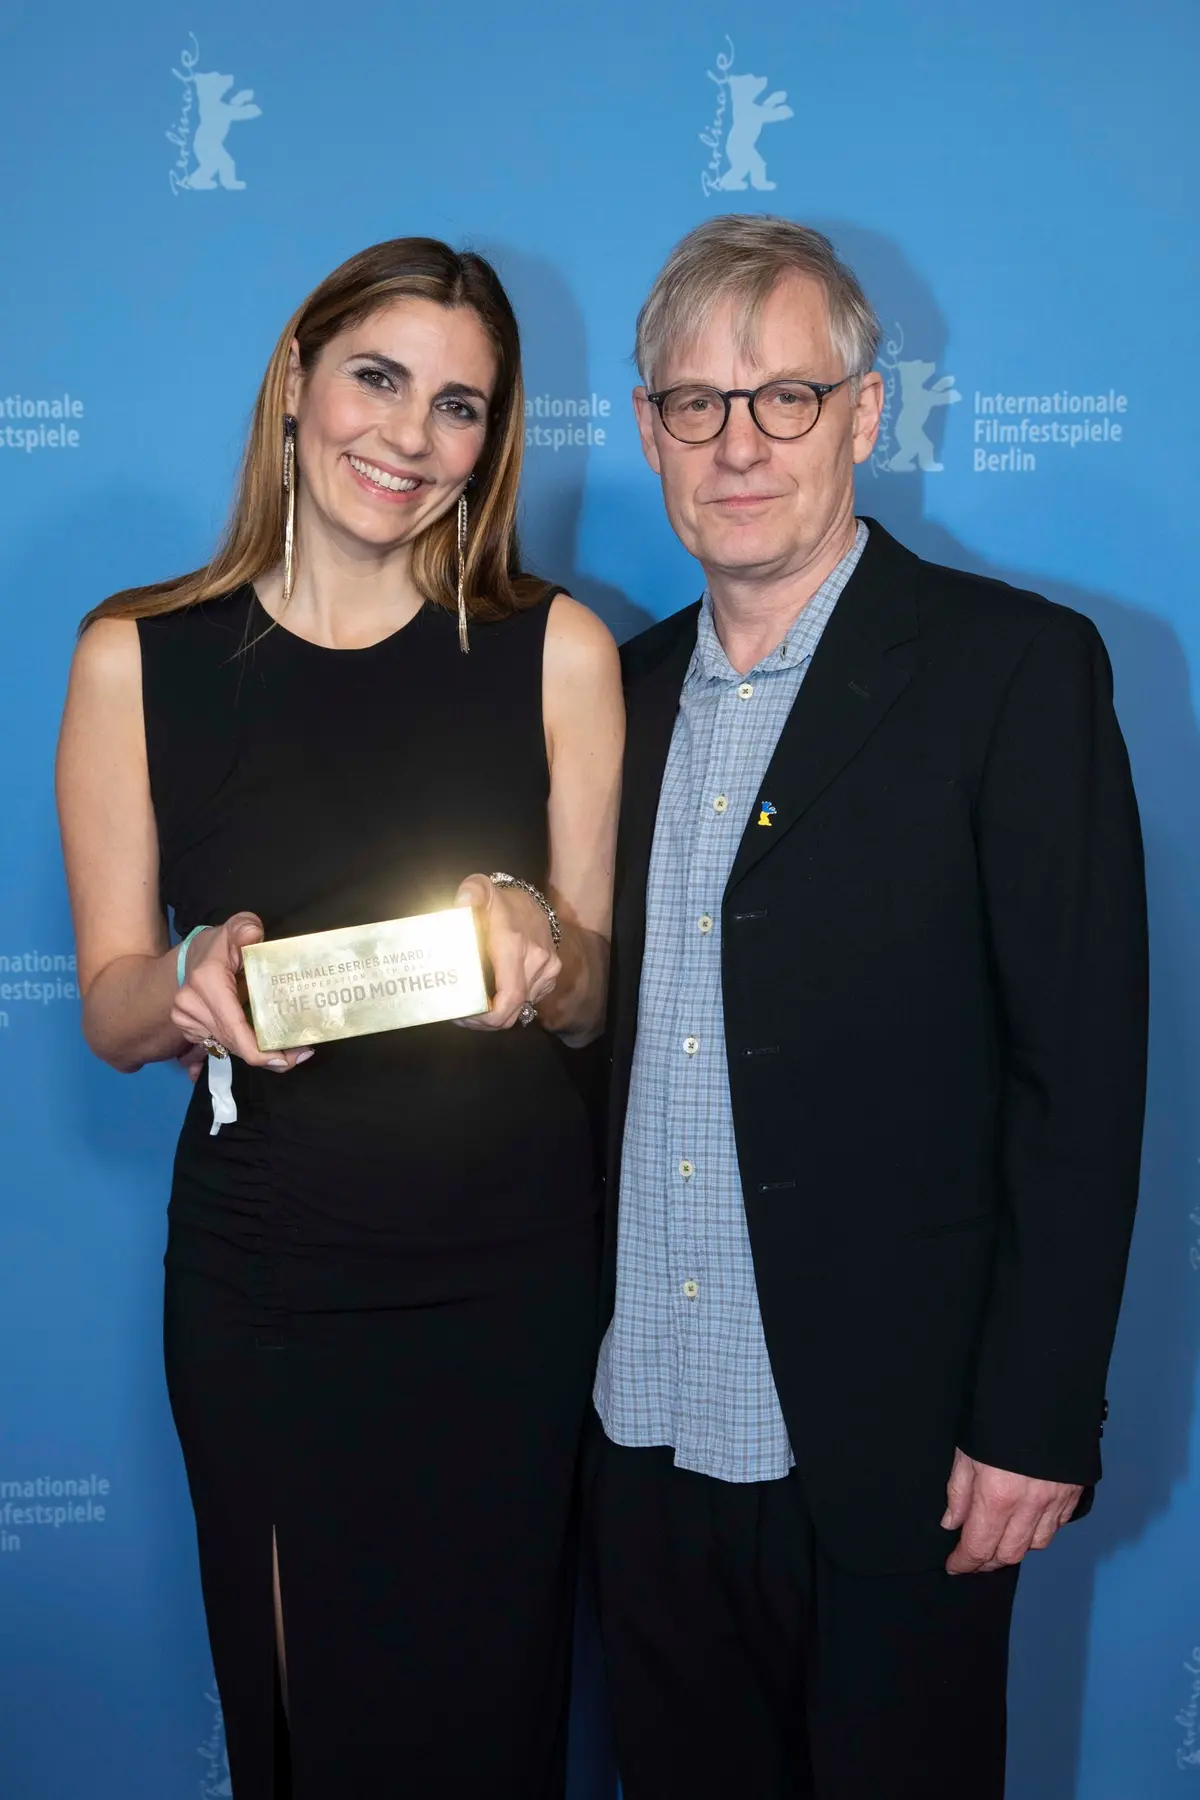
(339, 984)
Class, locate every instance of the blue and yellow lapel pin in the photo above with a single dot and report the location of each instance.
(765, 813)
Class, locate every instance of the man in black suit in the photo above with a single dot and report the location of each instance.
(878, 1033)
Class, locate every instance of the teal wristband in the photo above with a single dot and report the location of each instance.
(181, 959)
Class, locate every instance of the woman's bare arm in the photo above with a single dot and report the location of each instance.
(584, 716)
(133, 1010)
(585, 728)
(110, 845)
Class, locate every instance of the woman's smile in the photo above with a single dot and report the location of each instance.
(384, 483)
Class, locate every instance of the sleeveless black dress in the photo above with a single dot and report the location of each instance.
(380, 1280)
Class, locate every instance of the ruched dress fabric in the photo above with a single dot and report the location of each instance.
(380, 1281)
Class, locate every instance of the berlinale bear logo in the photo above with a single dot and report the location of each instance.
(734, 133)
(749, 116)
(203, 126)
(217, 114)
(904, 444)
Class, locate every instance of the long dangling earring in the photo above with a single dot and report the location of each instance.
(462, 570)
(289, 488)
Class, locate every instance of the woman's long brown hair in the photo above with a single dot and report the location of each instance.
(252, 543)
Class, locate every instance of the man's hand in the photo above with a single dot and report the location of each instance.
(1002, 1515)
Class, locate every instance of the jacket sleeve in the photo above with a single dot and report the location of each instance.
(1060, 859)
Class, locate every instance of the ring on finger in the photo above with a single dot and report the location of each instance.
(527, 1014)
(213, 1046)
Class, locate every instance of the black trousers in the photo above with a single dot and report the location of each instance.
(743, 1665)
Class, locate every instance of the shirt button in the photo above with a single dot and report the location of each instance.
(691, 1289)
(687, 1169)
(705, 923)
(720, 804)
(690, 1046)
(745, 691)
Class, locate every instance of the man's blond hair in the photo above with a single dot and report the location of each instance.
(742, 257)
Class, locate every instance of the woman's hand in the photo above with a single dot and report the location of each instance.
(192, 1060)
(208, 1004)
(584, 720)
(516, 934)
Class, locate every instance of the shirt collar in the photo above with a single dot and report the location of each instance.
(709, 661)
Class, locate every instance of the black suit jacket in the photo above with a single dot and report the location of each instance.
(935, 990)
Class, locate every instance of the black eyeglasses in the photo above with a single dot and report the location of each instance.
(780, 409)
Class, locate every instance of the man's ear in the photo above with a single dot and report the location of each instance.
(868, 408)
(644, 413)
(295, 378)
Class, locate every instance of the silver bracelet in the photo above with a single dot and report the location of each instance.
(501, 880)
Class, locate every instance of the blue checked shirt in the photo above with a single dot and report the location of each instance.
(685, 1361)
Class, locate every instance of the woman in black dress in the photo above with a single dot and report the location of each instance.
(380, 1272)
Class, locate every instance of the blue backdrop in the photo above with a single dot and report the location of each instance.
(1016, 186)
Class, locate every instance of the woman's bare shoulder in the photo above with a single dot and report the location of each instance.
(108, 658)
(578, 640)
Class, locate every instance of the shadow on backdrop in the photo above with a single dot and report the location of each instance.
(555, 356)
(1159, 1336)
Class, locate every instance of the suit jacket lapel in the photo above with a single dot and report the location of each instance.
(653, 684)
(654, 667)
(861, 666)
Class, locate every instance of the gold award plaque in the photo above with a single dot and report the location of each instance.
(339, 984)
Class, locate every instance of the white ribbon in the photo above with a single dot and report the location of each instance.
(220, 1087)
